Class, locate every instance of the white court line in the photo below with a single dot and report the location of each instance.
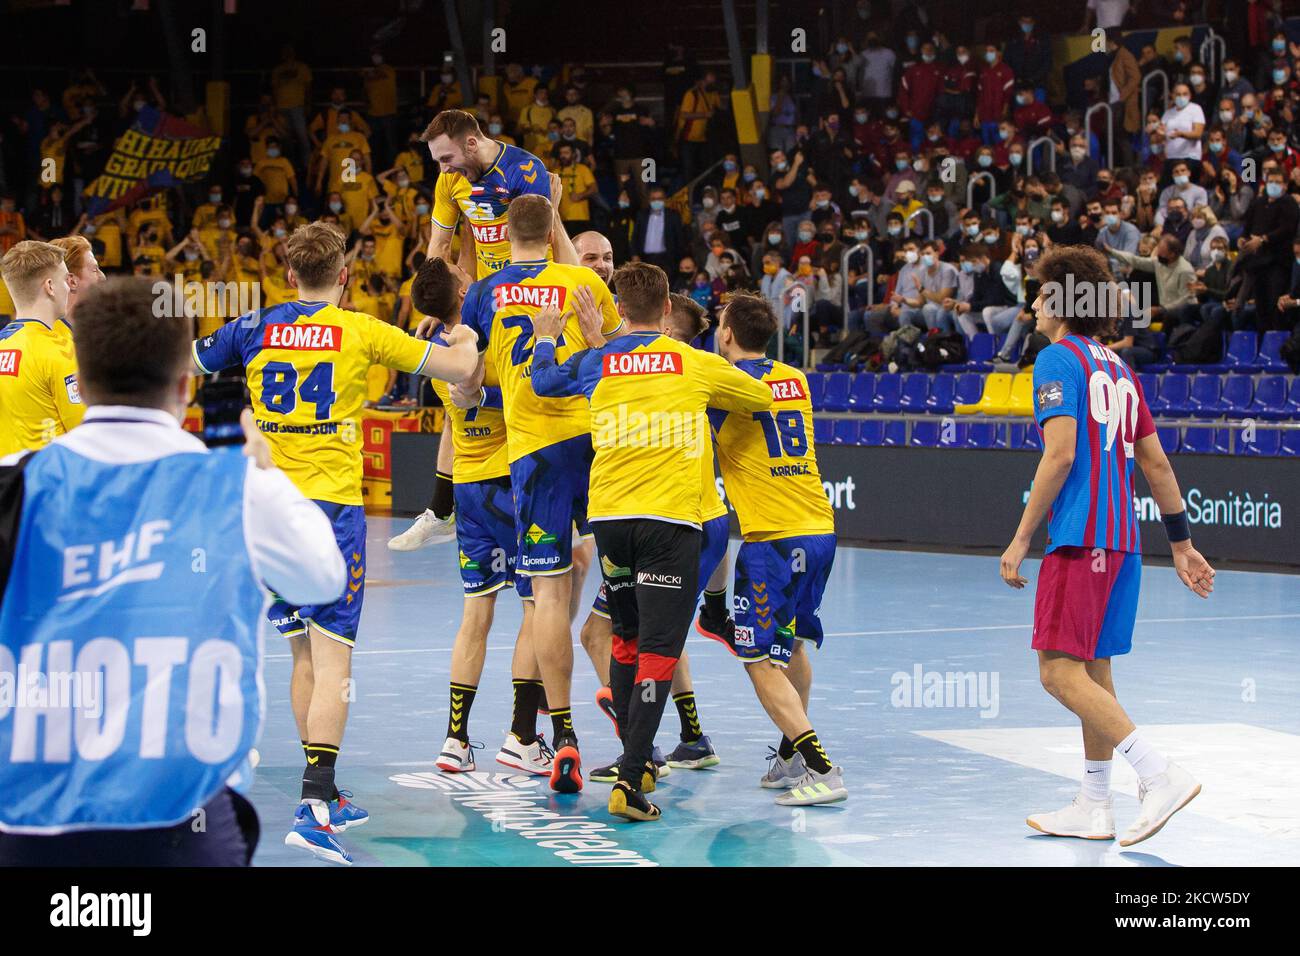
(910, 630)
(1014, 627)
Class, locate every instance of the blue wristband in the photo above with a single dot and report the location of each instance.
(1176, 527)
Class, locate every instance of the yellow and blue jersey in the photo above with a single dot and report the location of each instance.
(39, 395)
(649, 396)
(769, 465)
(516, 172)
(500, 309)
(307, 364)
(478, 434)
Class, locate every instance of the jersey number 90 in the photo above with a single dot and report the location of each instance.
(1114, 404)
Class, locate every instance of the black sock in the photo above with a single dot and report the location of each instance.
(562, 723)
(814, 757)
(639, 734)
(462, 699)
(442, 503)
(318, 777)
(786, 750)
(523, 721)
(715, 603)
(621, 678)
(689, 717)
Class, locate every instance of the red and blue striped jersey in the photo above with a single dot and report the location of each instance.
(1081, 378)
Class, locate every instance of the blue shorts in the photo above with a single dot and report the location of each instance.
(778, 591)
(485, 535)
(713, 548)
(550, 488)
(340, 619)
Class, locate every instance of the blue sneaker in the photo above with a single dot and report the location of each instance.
(695, 755)
(344, 813)
(309, 833)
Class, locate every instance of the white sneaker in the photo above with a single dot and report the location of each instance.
(456, 757)
(1168, 793)
(1083, 818)
(530, 758)
(427, 530)
(814, 788)
(782, 774)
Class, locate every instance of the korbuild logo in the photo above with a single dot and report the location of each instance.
(77, 909)
(515, 803)
(933, 689)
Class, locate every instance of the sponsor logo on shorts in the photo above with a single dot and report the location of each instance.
(787, 390)
(467, 563)
(535, 536)
(302, 338)
(659, 580)
(744, 636)
(535, 296)
(613, 570)
(643, 363)
(10, 359)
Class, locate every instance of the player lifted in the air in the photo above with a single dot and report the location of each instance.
(769, 469)
(548, 441)
(1095, 423)
(307, 363)
(477, 179)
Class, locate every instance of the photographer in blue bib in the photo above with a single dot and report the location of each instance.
(134, 568)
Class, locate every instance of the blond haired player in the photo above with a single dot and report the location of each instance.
(39, 396)
(307, 364)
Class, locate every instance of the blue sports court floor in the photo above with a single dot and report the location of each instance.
(936, 778)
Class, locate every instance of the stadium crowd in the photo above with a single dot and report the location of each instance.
(941, 168)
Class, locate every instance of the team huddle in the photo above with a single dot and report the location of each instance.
(578, 409)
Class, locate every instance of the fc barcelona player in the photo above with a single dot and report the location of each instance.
(307, 363)
(1095, 423)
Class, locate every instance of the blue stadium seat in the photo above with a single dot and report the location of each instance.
(1270, 352)
(1206, 440)
(1243, 352)
(836, 396)
(1270, 399)
(925, 433)
(985, 435)
(1203, 399)
(895, 433)
(1267, 442)
(862, 392)
(1292, 405)
(1150, 383)
(1162, 362)
(1020, 346)
(816, 388)
(822, 430)
(952, 434)
(1238, 391)
(1031, 439)
(845, 431)
(889, 389)
(872, 432)
(980, 351)
(1169, 439)
(1290, 443)
(1172, 400)
(942, 389)
(970, 386)
(916, 389)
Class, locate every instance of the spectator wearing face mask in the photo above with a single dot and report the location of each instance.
(1269, 229)
(1229, 200)
(1182, 188)
(1176, 221)
(1184, 125)
(1234, 86)
(918, 90)
(946, 222)
(992, 305)
(925, 291)
(1202, 236)
(872, 70)
(1215, 282)
(1275, 50)
(806, 243)
(245, 191)
(996, 82)
(1174, 275)
(1218, 156)
(1115, 233)
(906, 205)
(1080, 169)
(1146, 203)
(956, 99)
(1062, 229)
